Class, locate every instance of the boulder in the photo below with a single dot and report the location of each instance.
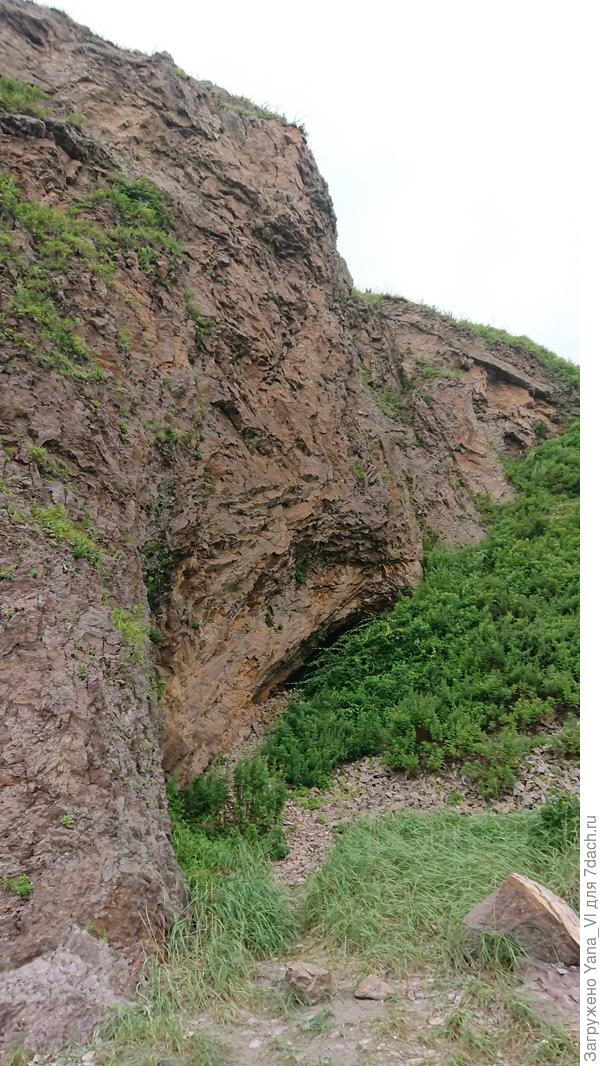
(541, 922)
(373, 987)
(311, 984)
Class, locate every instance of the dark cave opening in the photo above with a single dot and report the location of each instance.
(288, 673)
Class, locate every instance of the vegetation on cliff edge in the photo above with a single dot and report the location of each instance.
(482, 651)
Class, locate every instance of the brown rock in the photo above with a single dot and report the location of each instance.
(373, 987)
(310, 983)
(545, 926)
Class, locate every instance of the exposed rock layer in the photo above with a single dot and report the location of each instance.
(288, 465)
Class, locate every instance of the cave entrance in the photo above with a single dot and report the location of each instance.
(288, 673)
(308, 653)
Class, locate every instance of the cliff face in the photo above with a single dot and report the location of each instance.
(198, 413)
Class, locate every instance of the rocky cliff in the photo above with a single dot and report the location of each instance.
(215, 453)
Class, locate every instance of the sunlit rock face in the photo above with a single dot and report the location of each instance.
(263, 451)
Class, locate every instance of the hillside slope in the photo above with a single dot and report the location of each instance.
(214, 454)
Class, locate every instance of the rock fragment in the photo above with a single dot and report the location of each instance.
(373, 987)
(310, 983)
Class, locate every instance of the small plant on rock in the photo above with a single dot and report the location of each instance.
(21, 885)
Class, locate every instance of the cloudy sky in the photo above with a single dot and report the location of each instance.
(444, 129)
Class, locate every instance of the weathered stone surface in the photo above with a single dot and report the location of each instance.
(553, 992)
(311, 984)
(545, 926)
(79, 979)
(373, 987)
(329, 435)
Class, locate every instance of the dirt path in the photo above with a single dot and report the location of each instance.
(344, 1031)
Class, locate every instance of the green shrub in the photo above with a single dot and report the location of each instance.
(252, 809)
(499, 760)
(204, 801)
(482, 648)
(566, 742)
(202, 325)
(19, 98)
(413, 734)
(258, 801)
(157, 563)
(21, 885)
(558, 821)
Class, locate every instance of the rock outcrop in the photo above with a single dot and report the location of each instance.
(208, 439)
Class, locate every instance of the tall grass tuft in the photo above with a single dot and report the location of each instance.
(394, 891)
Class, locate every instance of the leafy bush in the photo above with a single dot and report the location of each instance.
(413, 733)
(258, 802)
(253, 810)
(566, 741)
(204, 801)
(558, 821)
(484, 647)
(499, 759)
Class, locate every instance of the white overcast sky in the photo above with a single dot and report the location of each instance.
(445, 129)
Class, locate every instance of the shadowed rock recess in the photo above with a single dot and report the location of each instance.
(215, 454)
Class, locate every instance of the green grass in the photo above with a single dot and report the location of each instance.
(238, 912)
(244, 106)
(142, 224)
(396, 889)
(560, 369)
(134, 629)
(464, 667)
(65, 245)
(22, 99)
(60, 527)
